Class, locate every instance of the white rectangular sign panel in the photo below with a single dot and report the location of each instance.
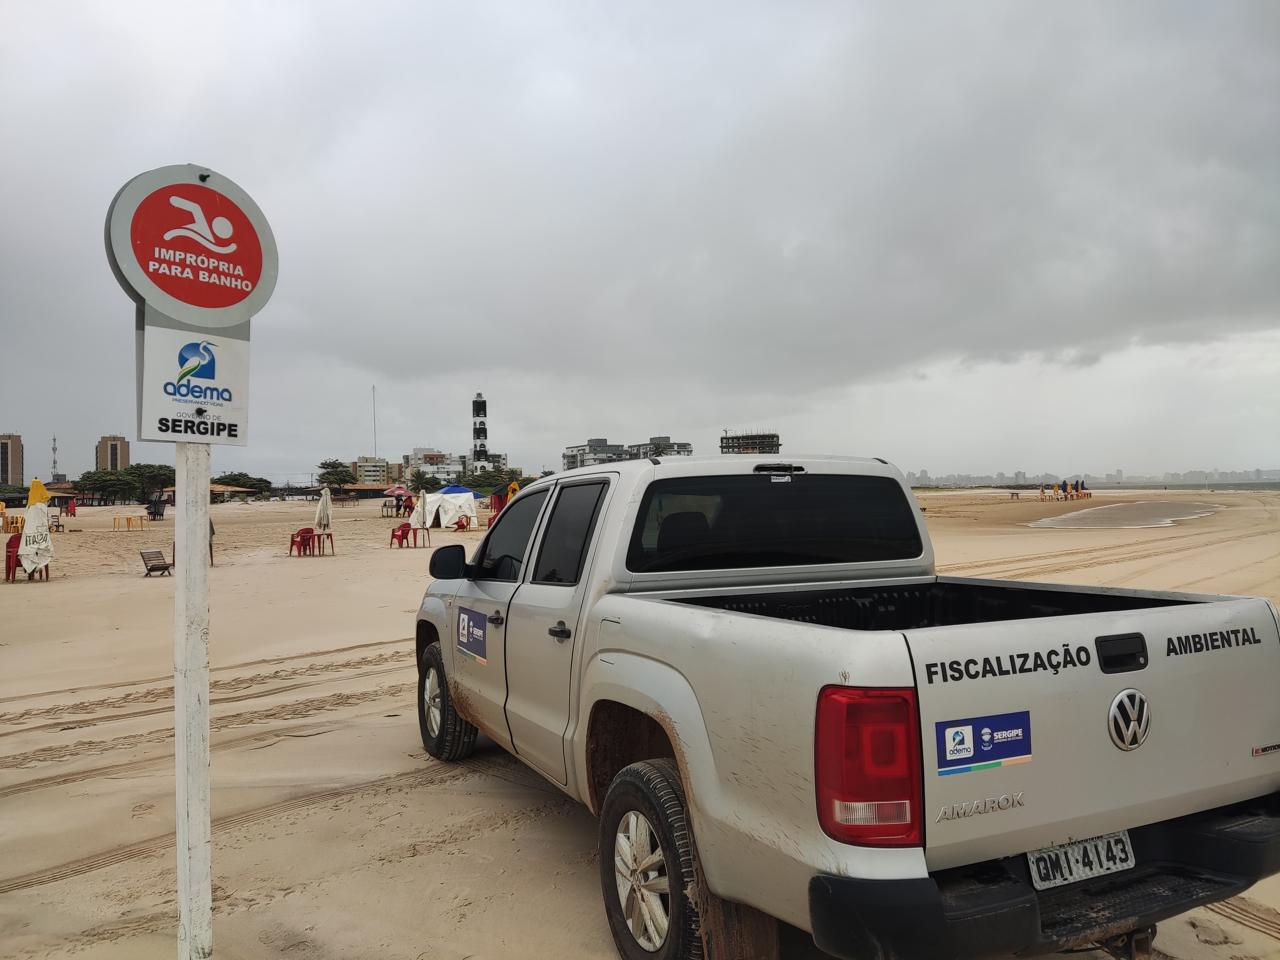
(195, 388)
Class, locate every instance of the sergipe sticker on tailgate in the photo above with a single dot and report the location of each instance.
(982, 743)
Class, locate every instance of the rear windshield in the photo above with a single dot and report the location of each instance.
(768, 520)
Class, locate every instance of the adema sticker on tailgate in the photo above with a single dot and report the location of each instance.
(980, 743)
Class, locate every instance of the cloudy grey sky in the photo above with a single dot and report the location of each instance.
(971, 237)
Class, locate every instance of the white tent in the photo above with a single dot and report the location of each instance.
(36, 549)
(444, 509)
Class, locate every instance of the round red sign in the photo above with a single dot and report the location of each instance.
(196, 245)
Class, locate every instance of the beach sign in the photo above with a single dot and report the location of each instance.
(197, 256)
(198, 259)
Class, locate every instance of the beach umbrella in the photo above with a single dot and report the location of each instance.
(36, 549)
(37, 494)
(324, 511)
(398, 490)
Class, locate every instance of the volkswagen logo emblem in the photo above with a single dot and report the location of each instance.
(1129, 719)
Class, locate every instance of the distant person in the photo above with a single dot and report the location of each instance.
(399, 503)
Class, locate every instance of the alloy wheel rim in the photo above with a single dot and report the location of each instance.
(644, 889)
(431, 701)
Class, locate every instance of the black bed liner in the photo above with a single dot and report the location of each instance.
(937, 603)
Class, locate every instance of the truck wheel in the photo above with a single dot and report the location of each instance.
(647, 864)
(445, 735)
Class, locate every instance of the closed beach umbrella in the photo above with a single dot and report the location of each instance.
(418, 520)
(324, 511)
(36, 549)
(37, 494)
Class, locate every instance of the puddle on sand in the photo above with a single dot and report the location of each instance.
(1143, 513)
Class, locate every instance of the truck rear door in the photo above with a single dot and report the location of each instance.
(1041, 732)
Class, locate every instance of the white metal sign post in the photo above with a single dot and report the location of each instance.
(198, 258)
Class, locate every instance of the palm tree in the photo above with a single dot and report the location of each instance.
(420, 482)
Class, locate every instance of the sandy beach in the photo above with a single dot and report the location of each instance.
(334, 835)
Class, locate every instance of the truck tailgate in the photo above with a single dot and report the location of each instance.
(1021, 746)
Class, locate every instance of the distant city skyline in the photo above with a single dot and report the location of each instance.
(304, 472)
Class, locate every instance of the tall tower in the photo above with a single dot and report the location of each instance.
(479, 430)
(55, 456)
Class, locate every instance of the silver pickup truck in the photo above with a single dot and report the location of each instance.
(750, 672)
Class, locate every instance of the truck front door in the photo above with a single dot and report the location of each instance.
(543, 625)
(479, 616)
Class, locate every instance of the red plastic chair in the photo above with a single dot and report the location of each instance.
(400, 535)
(11, 558)
(303, 541)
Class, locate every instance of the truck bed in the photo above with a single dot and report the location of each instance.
(935, 602)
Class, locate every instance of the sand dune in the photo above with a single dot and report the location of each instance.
(334, 836)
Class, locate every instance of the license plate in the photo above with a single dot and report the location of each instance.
(1071, 862)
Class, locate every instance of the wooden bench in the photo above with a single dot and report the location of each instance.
(155, 562)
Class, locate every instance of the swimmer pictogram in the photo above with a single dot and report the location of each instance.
(199, 229)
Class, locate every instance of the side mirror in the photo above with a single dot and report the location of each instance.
(448, 562)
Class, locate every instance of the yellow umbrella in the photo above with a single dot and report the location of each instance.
(37, 494)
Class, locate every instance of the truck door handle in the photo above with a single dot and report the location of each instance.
(560, 632)
(1121, 653)
(496, 618)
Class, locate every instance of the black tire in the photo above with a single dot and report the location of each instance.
(652, 789)
(454, 738)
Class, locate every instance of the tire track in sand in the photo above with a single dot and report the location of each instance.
(213, 702)
(228, 666)
(1256, 916)
(114, 770)
(149, 694)
(1016, 567)
(435, 772)
(434, 838)
(1146, 541)
(293, 710)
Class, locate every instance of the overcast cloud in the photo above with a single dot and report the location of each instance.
(979, 237)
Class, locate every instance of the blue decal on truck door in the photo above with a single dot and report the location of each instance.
(472, 627)
(980, 743)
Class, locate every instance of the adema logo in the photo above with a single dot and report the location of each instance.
(959, 742)
(196, 362)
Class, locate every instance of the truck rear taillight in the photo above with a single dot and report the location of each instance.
(867, 766)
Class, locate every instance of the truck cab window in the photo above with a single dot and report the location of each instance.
(739, 522)
(502, 556)
(564, 545)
